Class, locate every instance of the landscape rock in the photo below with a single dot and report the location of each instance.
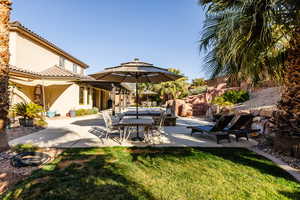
(267, 112)
(185, 110)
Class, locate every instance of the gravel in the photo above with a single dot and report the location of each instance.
(262, 98)
(291, 161)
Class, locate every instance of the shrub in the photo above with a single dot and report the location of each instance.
(236, 96)
(28, 110)
(33, 110)
(20, 109)
(82, 112)
(198, 82)
(198, 90)
(24, 148)
(221, 101)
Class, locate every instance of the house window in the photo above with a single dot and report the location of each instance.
(74, 68)
(81, 71)
(62, 62)
(81, 95)
(88, 96)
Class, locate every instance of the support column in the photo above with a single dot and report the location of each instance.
(85, 94)
(122, 100)
(113, 98)
(44, 99)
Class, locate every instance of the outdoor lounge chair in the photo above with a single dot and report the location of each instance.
(216, 130)
(241, 127)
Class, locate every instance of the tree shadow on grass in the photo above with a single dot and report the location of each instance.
(291, 195)
(236, 155)
(76, 176)
(167, 153)
(250, 159)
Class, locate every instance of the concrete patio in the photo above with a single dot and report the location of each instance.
(88, 132)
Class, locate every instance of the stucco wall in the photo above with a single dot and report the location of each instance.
(60, 98)
(12, 48)
(30, 55)
(63, 98)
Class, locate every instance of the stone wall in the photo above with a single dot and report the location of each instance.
(262, 116)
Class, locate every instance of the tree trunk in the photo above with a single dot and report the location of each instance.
(287, 119)
(5, 7)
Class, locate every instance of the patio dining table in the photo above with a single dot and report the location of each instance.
(143, 113)
(132, 121)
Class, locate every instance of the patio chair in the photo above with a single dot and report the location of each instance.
(241, 127)
(215, 130)
(157, 131)
(110, 126)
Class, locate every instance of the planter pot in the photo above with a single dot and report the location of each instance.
(26, 122)
(51, 114)
(22, 122)
(72, 113)
(29, 122)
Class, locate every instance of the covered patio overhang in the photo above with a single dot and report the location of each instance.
(41, 91)
(119, 93)
(109, 86)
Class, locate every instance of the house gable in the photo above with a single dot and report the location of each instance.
(32, 52)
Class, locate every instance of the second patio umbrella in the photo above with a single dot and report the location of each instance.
(136, 72)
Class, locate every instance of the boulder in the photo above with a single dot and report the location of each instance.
(200, 109)
(196, 101)
(177, 106)
(221, 86)
(189, 113)
(179, 110)
(266, 112)
(254, 112)
(185, 110)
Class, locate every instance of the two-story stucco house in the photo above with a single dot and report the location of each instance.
(43, 73)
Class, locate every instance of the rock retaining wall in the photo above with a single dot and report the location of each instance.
(197, 105)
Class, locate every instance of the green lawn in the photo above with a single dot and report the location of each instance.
(157, 173)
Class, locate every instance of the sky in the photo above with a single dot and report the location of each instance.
(105, 33)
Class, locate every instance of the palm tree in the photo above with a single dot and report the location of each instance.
(5, 7)
(172, 89)
(257, 40)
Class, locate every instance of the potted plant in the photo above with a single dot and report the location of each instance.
(28, 112)
(20, 110)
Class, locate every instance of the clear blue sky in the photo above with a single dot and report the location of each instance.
(104, 33)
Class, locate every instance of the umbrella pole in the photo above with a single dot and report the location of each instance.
(137, 110)
(137, 100)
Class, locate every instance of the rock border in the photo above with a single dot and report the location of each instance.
(283, 165)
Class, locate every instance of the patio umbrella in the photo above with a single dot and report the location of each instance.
(136, 72)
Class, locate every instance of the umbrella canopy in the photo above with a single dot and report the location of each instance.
(136, 72)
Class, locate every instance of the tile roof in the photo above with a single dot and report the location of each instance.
(57, 71)
(25, 71)
(51, 72)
